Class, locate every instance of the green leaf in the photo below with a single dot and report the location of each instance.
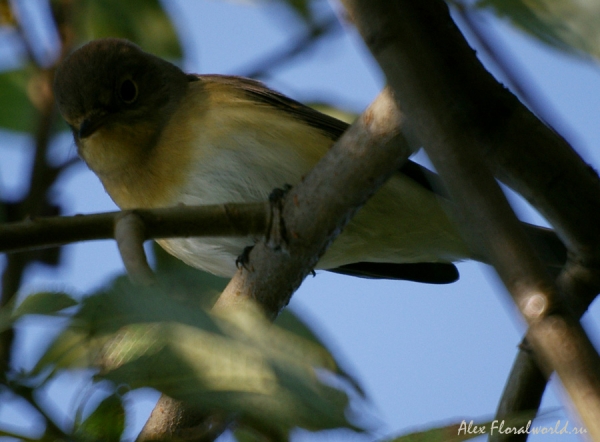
(569, 25)
(185, 283)
(101, 315)
(144, 22)
(290, 321)
(44, 303)
(237, 362)
(448, 433)
(241, 434)
(269, 384)
(106, 423)
(17, 112)
(73, 348)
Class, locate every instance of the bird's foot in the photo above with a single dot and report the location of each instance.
(277, 194)
(277, 234)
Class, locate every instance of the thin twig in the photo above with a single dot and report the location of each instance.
(130, 234)
(298, 46)
(35, 201)
(171, 222)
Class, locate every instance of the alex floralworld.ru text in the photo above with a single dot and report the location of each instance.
(501, 427)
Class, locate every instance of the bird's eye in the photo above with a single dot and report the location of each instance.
(128, 91)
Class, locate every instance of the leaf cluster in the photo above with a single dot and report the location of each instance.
(272, 377)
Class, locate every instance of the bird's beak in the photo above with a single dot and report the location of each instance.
(89, 125)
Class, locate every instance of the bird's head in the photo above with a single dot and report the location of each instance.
(116, 99)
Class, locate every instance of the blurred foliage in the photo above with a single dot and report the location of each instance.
(144, 22)
(144, 337)
(7, 18)
(17, 111)
(106, 423)
(44, 303)
(569, 25)
(271, 376)
(182, 281)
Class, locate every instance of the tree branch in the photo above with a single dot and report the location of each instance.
(298, 45)
(526, 383)
(172, 222)
(523, 391)
(472, 19)
(315, 211)
(130, 234)
(174, 420)
(580, 280)
(452, 106)
(35, 202)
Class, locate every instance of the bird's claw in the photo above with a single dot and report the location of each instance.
(277, 234)
(244, 259)
(277, 194)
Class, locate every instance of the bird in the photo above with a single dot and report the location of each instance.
(159, 137)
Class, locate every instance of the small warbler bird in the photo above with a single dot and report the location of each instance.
(158, 137)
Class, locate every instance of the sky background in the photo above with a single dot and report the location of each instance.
(425, 354)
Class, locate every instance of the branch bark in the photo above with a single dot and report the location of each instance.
(313, 213)
(459, 113)
(568, 183)
(180, 221)
(36, 201)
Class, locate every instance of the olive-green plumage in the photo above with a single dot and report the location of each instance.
(158, 137)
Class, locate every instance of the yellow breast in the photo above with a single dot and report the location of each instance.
(218, 146)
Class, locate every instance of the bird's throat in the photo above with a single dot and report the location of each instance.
(133, 167)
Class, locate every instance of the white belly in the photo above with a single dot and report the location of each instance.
(402, 223)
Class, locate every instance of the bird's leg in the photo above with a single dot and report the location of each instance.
(244, 258)
(276, 233)
(279, 233)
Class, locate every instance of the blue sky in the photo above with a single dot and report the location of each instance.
(425, 354)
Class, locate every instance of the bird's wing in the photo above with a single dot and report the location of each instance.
(434, 273)
(258, 92)
(551, 249)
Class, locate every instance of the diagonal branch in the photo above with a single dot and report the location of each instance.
(460, 113)
(580, 279)
(313, 213)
